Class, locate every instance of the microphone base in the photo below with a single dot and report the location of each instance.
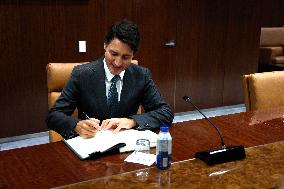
(222, 155)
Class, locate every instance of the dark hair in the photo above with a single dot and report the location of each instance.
(126, 31)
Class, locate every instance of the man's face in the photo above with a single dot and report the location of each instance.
(118, 56)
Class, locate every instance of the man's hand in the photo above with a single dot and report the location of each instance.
(118, 123)
(88, 128)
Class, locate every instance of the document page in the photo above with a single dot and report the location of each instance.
(101, 142)
(131, 136)
(107, 139)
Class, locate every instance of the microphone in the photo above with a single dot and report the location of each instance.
(220, 155)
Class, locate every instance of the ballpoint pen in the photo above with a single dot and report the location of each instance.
(86, 116)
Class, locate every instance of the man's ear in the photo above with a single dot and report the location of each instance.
(105, 45)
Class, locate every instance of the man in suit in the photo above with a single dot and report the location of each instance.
(110, 90)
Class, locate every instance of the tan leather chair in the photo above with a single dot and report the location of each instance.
(263, 90)
(271, 50)
(57, 76)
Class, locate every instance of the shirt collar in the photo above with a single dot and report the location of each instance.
(109, 75)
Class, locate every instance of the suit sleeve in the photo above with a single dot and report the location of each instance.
(59, 116)
(157, 111)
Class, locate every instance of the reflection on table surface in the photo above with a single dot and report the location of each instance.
(53, 165)
(262, 168)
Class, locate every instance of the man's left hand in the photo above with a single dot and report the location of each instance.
(117, 124)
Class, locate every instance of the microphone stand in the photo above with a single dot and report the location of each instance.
(220, 155)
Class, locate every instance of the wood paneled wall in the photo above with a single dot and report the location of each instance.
(216, 42)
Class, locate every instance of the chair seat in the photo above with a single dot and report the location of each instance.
(278, 60)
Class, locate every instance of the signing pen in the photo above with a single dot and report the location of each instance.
(87, 117)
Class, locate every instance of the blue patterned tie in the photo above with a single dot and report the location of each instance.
(113, 97)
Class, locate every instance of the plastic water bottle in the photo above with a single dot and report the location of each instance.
(164, 148)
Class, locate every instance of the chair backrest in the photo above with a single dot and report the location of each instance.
(57, 76)
(272, 36)
(263, 90)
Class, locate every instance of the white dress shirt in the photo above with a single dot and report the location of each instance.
(109, 76)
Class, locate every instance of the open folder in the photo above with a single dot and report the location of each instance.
(108, 142)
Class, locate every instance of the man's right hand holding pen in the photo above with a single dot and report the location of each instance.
(87, 128)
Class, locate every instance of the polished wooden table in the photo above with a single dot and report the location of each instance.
(54, 165)
(262, 168)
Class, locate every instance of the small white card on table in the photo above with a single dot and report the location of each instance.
(141, 158)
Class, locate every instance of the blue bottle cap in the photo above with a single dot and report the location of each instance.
(164, 128)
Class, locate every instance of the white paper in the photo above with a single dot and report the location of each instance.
(131, 136)
(106, 139)
(141, 158)
(101, 142)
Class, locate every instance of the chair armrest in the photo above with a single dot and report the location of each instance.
(266, 54)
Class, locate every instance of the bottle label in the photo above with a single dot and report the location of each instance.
(164, 151)
(164, 146)
(165, 161)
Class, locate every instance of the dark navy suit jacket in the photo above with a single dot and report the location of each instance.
(86, 91)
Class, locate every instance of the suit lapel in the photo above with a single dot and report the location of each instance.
(126, 90)
(100, 88)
